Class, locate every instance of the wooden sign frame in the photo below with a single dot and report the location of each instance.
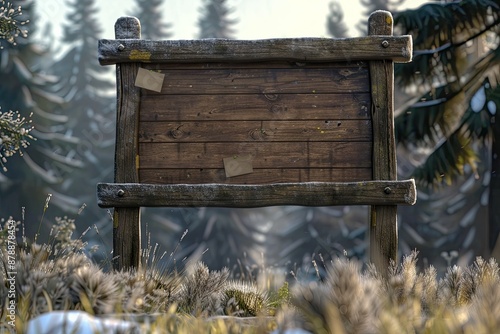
(232, 123)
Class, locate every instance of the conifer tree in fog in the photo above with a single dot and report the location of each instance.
(335, 21)
(214, 21)
(373, 5)
(89, 96)
(27, 87)
(149, 12)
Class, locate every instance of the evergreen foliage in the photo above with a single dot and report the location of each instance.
(214, 21)
(26, 86)
(149, 13)
(90, 108)
(335, 21)
(14, 129)
(455, 72)
(10, 24)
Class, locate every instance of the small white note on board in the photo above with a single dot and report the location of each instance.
(150, 80)
(238, 165)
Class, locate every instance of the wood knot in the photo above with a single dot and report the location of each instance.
(271, 95)
(278, 108)
(258, 134)
(176, 133)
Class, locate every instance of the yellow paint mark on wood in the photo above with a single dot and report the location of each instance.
(115, 220)
(388, 19)
(140, 55)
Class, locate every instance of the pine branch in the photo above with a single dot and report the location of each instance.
(449, 45)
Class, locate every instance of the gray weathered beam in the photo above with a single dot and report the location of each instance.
(396, 48)
(249, 196)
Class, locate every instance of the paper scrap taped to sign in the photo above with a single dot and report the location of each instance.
(238, 165)
(149, 80)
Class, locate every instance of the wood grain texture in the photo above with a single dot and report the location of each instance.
(383, 219)
(126, 221)
(268, 64)
(290, 49)
(263, 107)
(264, 154)
(249, 196)
(264, 81)
(262, 131)
(259, 176)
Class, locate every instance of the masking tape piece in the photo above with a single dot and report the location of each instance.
(149, 80)
(238, 165)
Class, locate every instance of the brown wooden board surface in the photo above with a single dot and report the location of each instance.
(259, 176)
(296, 123)
(255, 107)
(270, 80)
(329, 130)
(265, 154)
(267, 64)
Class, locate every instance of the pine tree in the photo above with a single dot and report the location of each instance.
(335, 21)
(373, 5)
(90, 108)
(25, 86)
(456, 66)
(214, 21)
(455, 75)
(149, 13)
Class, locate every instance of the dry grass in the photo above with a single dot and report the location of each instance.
(58, 275)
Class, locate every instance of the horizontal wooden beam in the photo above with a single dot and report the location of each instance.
(396, 48)
(249, 196)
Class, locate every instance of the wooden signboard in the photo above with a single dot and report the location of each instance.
(252, 123)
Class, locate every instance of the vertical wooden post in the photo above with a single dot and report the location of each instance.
(126, 221)
(383, 219)
(494, 197)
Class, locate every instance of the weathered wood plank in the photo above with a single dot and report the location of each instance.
(126, 221)
(223, 195)
(358, 64)
(250, 196)
(383, 220)
(259, 176)
(289, 49)
(264, 154)
(244, 131)
(255, 107)
(270, 81)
